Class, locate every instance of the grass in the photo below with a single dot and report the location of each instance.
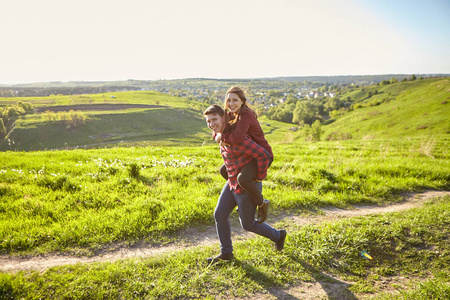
(411, 242)
(83, 200)
(412, 109)
(172, 121)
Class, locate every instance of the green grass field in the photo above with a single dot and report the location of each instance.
(84, 200)
(412, 244)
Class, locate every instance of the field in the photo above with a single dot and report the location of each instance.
(86, 202)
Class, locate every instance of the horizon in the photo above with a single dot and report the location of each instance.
(211, 78)
(149, 40)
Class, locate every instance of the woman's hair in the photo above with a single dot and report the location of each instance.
(241, 94)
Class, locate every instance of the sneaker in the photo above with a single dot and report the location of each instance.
(263, 209)
(280, 242)
(221, 257)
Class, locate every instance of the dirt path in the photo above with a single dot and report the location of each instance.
(206, 235)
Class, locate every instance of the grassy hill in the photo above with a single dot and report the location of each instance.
(165, 119)
(130, 118)
(410, 109)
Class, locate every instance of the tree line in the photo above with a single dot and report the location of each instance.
(305, 111)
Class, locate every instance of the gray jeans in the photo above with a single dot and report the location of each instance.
(247, 208)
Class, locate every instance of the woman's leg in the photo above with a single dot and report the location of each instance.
(223, 172)
(247, 211)
(246, 179)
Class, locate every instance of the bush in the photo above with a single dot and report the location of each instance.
(71, 118)
(76, 118)
(316, 131)
(339, 136)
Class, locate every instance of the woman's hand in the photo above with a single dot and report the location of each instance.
(218, 138)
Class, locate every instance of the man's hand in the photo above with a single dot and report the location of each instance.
(223, 144)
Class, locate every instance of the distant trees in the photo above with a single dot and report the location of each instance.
(71, 119)
(9, 114)
(274, 93)
(283, 113)
(47, 91)
(313, 132)
(305, 111)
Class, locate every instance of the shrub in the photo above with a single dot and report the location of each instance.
(339, 136)
(76, 118)
(49, 115)
(316, 131)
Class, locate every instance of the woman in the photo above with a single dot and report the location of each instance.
(243, 123)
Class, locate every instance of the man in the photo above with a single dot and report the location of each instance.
(235, 157)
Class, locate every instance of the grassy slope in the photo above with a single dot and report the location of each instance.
(411, 109)
(173, 121)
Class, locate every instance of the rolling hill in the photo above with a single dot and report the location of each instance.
(409, 109)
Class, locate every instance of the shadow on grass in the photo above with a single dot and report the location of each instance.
(334, 288)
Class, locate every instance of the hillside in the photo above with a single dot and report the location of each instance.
(110, 119)
(410, 109)
(125, 118)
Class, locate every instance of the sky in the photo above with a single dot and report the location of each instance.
(107, 40)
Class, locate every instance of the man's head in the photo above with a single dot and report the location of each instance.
(215, 118)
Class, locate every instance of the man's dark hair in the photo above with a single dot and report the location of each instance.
(214, 110)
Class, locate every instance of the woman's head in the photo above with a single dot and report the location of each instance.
(235, 99)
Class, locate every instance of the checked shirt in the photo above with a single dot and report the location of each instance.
(237, 156)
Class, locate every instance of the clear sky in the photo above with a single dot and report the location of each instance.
(90, 40)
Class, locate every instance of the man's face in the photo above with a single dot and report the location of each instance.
(215, 122)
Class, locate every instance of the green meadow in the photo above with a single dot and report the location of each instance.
(154, 184)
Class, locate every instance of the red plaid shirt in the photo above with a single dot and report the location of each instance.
(237, 156)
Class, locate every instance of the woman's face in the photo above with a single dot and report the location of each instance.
(234, 103)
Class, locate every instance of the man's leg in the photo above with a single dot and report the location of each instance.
(224, 207)
(247, 209)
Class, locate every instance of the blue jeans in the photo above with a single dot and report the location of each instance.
(227, 202)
